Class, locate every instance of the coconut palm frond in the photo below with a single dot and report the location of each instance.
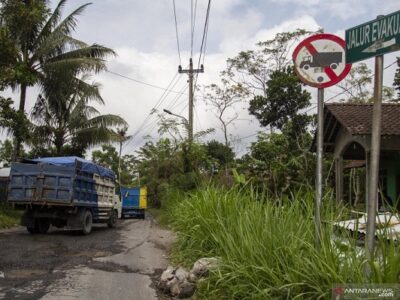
(93, 51)
(89, 91)
(107, 121)
(77, 65)
(66, 26)
(92, 136)
(82, 112)
(69, 23)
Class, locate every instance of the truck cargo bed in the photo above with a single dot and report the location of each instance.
(58, 185)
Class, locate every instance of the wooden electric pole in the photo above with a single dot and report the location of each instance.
(191, 72)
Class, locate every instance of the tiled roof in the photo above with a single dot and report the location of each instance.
(357, 118)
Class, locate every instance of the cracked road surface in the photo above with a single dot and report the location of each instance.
(118, 263)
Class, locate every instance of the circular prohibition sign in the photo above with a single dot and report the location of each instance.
(319, 60)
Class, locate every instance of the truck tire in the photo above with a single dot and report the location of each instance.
(31, 230)
(113, 219)
(87, 222)
(42, 226)
(306, 66)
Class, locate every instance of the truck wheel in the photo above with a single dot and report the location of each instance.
(306, 66)
(42, 226)
(31, 229)
(113, 219)
(87, 222)
(333, 66)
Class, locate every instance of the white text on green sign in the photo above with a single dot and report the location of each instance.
(377, 37)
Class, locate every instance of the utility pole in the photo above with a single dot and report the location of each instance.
(190, 72)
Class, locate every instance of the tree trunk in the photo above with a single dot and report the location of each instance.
(17, 137)
(22, 98)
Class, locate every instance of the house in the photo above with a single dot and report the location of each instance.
(347, 135)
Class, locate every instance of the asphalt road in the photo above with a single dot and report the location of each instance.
(119, 263)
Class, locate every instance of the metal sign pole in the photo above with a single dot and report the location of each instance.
(318, 185)
(319, 62)
(374, 158)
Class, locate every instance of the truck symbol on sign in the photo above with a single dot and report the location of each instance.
(322, 60)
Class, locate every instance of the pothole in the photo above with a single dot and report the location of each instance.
(87, 253)
(111, 267)
(24, 273)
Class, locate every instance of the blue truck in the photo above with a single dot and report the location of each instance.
(134, 202)
(63, 192)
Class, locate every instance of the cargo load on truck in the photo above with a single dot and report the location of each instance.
(63, 192)
(134, 202)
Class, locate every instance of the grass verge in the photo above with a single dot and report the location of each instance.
(161, 216)
(8, 217)
(268, 247)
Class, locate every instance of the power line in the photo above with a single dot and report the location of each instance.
(142, 82)
(172, 104)
(193, 13)
(348, 89)
(191, 28)
(204, 39)
(197, 118)
(205, 31)
(329, 99)
(248, 136)
(177, 35)
(160, 100)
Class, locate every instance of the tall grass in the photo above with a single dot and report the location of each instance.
(266, 247)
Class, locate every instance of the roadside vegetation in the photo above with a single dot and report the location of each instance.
(8, 216)
(267, 245)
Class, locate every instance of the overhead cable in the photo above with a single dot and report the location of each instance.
(329, 99)
(142, 82)
(177, 35)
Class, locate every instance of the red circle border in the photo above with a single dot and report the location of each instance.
(321, 36)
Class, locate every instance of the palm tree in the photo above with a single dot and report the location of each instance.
(64, 117)
(42, 42)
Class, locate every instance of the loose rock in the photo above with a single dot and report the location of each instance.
(187, 289)
(165, 278)
(174, 287)
(204, 265)
(180, 283)
(181, 274)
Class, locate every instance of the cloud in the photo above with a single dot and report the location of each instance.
(304, 22)
(143, 35)
(306, 3)
(340, 9)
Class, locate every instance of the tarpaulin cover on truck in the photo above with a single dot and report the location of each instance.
(69, 161)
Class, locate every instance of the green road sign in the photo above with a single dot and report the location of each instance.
(373, 38)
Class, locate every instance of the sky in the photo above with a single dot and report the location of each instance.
(142, 33)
